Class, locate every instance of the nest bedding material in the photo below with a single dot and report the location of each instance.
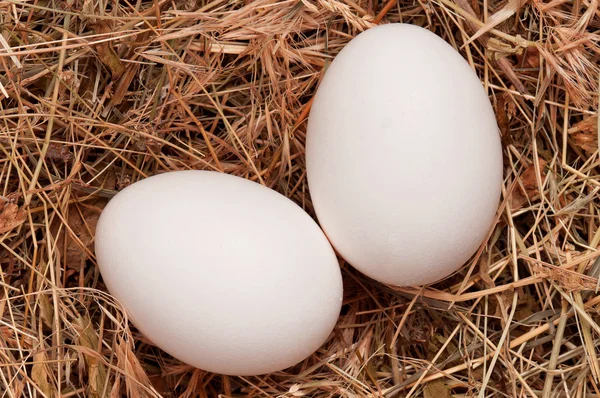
(97, 95)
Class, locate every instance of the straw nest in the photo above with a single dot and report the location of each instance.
(97, 95)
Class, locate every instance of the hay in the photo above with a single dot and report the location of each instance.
(97, 95)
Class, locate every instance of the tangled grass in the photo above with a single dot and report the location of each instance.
(96, 95)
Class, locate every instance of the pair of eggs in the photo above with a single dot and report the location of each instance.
(404, 167)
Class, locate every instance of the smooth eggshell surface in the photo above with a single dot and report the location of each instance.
(220, 272)
(403, 155)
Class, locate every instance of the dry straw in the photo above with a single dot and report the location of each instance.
(99, 94)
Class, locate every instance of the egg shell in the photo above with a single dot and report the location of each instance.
(220, 272)
(403, 156)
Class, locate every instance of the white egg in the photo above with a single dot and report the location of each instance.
(403, 155)
(220, 272)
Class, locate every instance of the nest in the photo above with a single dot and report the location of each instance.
(98, 95)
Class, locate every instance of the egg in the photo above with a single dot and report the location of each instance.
(220, 272)
(403, 156)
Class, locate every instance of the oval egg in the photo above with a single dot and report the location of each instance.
(403, 155)
(220, 272)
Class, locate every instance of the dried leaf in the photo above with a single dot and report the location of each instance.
(106, 52)
(568, 279)
(504, 301)
(585, 134)
(526, 306)
(529, 188)
(39, 374)
(436, 389)
(529, 178)
(46, 310)
(158, 382)
(82, 221)
(130, 364)
(503, 115)
(587, 125)
(12, 216)
(88, 338)
(587, 142)
(46, 307)
(436, 343)
(530, 58)
(517, 200)
(484, 273)
(59, 152)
